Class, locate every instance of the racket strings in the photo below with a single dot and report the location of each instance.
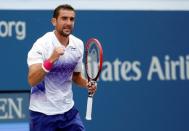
(93, 61)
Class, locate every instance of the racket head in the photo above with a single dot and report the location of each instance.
(94, 59)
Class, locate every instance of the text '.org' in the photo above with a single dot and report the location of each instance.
(15, 29)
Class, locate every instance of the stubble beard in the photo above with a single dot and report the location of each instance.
(64, 33)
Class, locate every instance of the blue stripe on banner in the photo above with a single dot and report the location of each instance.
(14, 126)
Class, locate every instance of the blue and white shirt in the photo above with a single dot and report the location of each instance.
(54, 94)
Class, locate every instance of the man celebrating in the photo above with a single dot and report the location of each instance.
(54, 61)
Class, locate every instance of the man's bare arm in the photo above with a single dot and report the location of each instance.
(81, 81)
(36, 74)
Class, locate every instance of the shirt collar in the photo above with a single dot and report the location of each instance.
(70, 44)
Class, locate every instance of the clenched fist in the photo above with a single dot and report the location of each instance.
(56, 53)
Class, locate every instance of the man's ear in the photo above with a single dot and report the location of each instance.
(53, 21)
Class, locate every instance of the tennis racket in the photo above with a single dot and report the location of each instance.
(93, 65)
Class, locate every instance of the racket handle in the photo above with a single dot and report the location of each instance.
(89, 108)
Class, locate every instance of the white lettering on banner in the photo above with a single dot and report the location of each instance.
(11, 108)
(118, 70)
(155, 67)
(166, 69)
(8, 28)
(170, 70)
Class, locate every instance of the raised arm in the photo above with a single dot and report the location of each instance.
(36, 73)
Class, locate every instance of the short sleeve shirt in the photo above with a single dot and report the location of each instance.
(53, 95)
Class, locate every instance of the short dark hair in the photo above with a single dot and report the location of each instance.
(64, 7)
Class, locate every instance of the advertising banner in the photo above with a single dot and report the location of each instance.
(144, 84)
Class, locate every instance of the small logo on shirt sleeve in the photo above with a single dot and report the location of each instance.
(38, 52)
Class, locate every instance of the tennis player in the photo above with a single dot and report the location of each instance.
(54, 61)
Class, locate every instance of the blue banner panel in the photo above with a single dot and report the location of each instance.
(19, 126)
(14, 107)
(144, 82)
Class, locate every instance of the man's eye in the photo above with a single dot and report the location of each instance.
(64, 18)
(71, 19)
